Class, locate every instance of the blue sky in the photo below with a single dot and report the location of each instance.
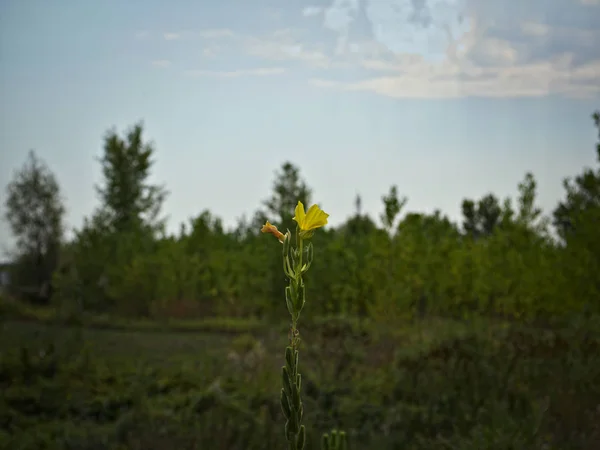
(444, 98)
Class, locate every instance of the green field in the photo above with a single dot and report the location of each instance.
(417, 331)
(438, 385)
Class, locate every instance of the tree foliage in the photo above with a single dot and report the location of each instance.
(35, 211)
(117, 245)
(126, 196)
(500, 261)
(577, 220)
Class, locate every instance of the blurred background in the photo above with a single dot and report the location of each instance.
(454, 298)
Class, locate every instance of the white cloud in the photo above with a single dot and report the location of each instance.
(407, 26)
(260, 72)
(142, 34)
(311, 11)
(449, 48)
(421, 79)
(161, 63)
(338, 17)
(171, 36)
(209, 52)
(481, 55)
(535, 29)
(273, 14)
(216, 33)
(166, 35)
(283, 46)
(493, 52)
(279, 45)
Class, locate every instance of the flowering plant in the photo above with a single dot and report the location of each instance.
(297, 259)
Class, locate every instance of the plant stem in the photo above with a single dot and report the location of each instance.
(297, 281)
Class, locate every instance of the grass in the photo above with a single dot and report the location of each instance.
(438, 384)
(12, 310)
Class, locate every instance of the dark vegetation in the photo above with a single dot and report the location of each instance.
(418, 334)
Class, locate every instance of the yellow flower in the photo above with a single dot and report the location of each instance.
(268, 228)
(313, 219)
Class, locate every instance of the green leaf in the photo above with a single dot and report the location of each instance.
(300, 298)
(343, 441)
(301, 438)
(286, 245)
(296, 397)
(285, 379)
(325, 442)
(285, 405)
(287, 268)
(294, 424)
(290, 360)
(289, 300)
(309, 258)
(335, 443)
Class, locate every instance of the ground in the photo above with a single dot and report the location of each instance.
(440, 384)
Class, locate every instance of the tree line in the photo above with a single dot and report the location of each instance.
(503, 259)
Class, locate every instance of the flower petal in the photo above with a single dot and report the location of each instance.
(269, 228)
(312, 212)
(300, 216)
(315, 218)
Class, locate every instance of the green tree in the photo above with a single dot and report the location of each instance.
(577, 219)
(470, 219)
(35, 211)
(481, 218)
(355, 244)
(582, 196)
(489, 213)
(288, 188)
(382, 255)
(514, 269)
(130, 201)
(107, 257)
(425, 243)
(358, 205)
(392, 207)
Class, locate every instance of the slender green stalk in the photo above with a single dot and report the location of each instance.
(291, 404)
(336, 440)
(294, 267)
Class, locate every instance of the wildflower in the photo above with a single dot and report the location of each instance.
(268, 228)
(294, 267)
(310, 221)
